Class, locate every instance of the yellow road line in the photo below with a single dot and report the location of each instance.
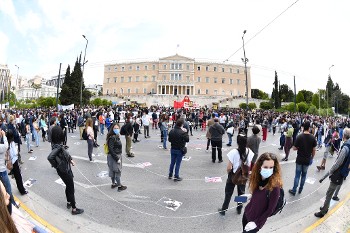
(321, 220)
(37, 218)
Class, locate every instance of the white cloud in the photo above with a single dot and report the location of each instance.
(3, 47)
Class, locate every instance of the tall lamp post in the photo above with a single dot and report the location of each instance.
(245, 60)
(329, 71)
(82, 76)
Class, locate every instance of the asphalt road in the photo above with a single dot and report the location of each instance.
(146, 205)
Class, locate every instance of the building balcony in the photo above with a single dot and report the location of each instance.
(177, 82)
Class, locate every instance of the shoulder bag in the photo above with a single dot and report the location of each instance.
(240, 177)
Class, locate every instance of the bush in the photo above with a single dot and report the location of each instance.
(252, 106)
(266, 105)
(312, 110)
(243, 105)
(290, 107)
(303, 107)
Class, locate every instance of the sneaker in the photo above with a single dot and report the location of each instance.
(239, 210)
(24, 193)
(207, 151)
(131, 155)
(77, 211)
(177, 179)
(114, 186)
(319, 168)
(121, 188)
(300, 190)
(170, 177)
(221, 212)
(220, 161)
(335, 198)
(228, 144)
(291, 192)
(30, 152)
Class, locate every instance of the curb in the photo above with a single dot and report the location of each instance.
(36, 217)
(329, 214)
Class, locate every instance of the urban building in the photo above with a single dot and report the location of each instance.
(95, 89)
(53, 80)
(175, 75)
(33, 93)
(5, 81)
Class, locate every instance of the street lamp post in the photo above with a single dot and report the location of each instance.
(329, 71)
(82, 76)
(245, 60)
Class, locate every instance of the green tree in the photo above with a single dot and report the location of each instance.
(266, 105)
(316, 100)
(286, 93)
(66, 94)
(252, 106)
(243, 105)
(275, 93)
(307, 96)
(290, 107)
(300, 97)
(96, 102)
(313, 110)
(303, 107)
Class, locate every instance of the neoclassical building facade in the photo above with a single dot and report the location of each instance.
(175, 75)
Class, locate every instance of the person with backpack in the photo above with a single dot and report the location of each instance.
(239, 162)
(60, 159)
(338, 172)
(267, 196)
(90, 137)
(127, 130)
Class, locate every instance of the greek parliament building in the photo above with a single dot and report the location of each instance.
(175, 75)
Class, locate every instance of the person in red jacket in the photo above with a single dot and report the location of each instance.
(265, 177)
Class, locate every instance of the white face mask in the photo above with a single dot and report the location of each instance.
(266, 172)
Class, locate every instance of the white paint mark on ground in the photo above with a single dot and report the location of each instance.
(169, 203)
(32, 158)
(29, 183)
(102, 174)
(213, 180)
(310, 180)
(185, 158)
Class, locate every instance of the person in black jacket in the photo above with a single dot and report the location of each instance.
(114, 157)
(178, 138)
(62, 161)
(129, 131)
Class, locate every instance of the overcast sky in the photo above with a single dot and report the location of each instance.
(304, 41)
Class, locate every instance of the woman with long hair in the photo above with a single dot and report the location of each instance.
(6, 223)
(16, 171)
(62, 161)
(90, 134)
(114, 157)
(43, 126)
(265, 181)
(242, 156)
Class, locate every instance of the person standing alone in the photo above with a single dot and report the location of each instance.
(216, 132)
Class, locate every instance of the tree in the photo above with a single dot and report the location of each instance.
(303, 107)
(300, 97)
(252, 106)
(316, 100)
(66, 94)
(266, 105)
(243, 105)
(286, 93)
(36, 88)
(313, 110)
(307, 96)
(259, 94)
(275, 93)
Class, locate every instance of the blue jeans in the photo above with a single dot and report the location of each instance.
(300, 170)
(176, 158)
(229, 138)
(319, 139)
(36, 136)
(165, 138)
(102, 127)
(28, 142)
(6, 182)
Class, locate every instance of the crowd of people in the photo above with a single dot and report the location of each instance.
(301, 132)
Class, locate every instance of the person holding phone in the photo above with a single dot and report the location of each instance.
(266, 177)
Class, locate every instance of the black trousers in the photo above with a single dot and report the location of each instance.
(68, 181)
(17, 174)
(216, 145)
(208, 143)
(229, 188)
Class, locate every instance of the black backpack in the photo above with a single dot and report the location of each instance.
(84, 135)
(123, 130)
(280, 203)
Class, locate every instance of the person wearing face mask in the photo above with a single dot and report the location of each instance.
(114, 157)
(266, 177)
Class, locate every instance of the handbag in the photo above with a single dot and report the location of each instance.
(184, 150)
(105, 148)
(241, 176)
(8, 162)
(230, 130)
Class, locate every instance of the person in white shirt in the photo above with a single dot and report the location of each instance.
(146, 120)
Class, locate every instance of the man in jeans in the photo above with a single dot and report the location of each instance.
(305, 145)
(335, 183)
(146, 119)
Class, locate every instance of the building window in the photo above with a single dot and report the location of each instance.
(199, 91)
(198, 68)
(214, 69)
(129, 91)
(129, 79)
(107, 93)
(207, 79)
(180, 66)
(121, 90)
(136, 90)
(172, 77)
(153, 67)
(123, 68)
(215, 92)
(237, 71)
(130, 67)
(215, 80)
(122, 79)
(176, 77)
(107, 80)
(144, 91)
(114, 91)
(164, 66)
(230, 70)
(115, 79)
(164, 77)
(238, 81)
(231, 81)
(172, 66)
(188, 67)
(145, 79)
(231, 93)
(137, 67)
(206, 91)
(223, 69)
(115, 68)
(146, 67)
(137, 79)
(223, 80)
(199, 79)
(153, 92)
(153, 78)
(207, 68)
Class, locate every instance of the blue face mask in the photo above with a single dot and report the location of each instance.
(266, 172)
(116, 131)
